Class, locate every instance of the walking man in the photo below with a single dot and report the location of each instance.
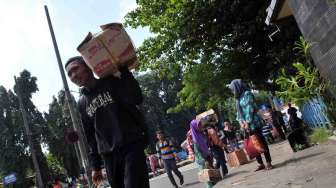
(278, 122)
(113, 125)
(167, 153)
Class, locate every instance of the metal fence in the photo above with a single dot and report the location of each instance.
(314, 113)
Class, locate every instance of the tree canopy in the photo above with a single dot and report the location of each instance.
(212, 42)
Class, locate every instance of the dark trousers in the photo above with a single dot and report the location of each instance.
(170, 166)
(267, 155)
(218, 154)
(281, 132)
(297, 136)
(126, 167)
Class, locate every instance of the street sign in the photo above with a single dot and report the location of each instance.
(11, 178)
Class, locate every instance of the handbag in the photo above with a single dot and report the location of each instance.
(259, 146)
(253, 146)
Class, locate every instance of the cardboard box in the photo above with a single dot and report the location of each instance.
(237, 158)
(209, 175)
(204, 114)
(105, 51)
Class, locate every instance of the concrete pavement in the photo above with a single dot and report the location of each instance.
(314, 167)
(190, 178)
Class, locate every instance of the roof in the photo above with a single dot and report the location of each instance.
(277, 10)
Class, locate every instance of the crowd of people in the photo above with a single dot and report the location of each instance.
(116, 133)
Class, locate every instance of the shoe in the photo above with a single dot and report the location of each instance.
(181, 181)
(260, 167)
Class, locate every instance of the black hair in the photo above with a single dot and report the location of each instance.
(159, 132)
(78, 59)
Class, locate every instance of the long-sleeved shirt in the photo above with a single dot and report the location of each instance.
(249, 111)
(165, 149)
(110, 116)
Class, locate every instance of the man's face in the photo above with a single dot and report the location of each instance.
(79, 73)
(226, 124)
(160, 136)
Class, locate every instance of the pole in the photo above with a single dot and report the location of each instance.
(69, 101)
(29, 135)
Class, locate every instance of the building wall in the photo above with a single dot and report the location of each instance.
(317, 22)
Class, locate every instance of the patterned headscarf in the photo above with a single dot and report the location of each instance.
(238, 88)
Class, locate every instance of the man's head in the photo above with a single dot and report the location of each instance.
(289, 105)
(78, 72)
(160, 135)
(227, 124)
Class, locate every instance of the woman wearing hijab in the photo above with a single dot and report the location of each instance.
(201, 148)
(247, 115)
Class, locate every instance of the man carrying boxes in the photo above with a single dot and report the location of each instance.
(113, 125)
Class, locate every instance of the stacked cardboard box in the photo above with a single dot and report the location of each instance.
(237, 158)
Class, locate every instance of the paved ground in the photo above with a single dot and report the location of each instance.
(314, 167)
(190, 178)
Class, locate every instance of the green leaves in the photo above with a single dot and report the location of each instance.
(210, 43)
(306, 83)
(302, 87)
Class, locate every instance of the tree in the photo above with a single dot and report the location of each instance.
(14, 156)
(212, 42)
(159, 95)
(28, 87)
(58, 124)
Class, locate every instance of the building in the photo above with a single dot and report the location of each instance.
(317, 22)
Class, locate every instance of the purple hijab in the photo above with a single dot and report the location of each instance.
(198, 137)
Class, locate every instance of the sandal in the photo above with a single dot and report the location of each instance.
(260, 167)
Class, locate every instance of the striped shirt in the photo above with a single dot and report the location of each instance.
(165, 149)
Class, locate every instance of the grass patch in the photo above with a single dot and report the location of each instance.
(320, 135)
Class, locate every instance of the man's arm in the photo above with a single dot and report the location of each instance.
(89, 131)
(132, 86)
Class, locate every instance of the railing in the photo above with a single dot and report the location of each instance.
(314, 113)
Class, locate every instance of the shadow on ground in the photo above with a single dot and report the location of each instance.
(294, 160)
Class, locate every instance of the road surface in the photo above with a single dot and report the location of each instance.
(190, 180)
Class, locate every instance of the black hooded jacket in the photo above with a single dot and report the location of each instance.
(110, 115)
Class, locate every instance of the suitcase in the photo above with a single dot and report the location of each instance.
(209, 175)
(237, 158)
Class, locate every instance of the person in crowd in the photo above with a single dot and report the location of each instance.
(221, 135)
(292, 111)
(167, 153)
(153, 162)
(297, 136)
(201, 147)
(267, 132)
(249, 119)
(216, 148)
(113, 124)
(230, 135)
(57, 183)
(190, 146)
(278, 122)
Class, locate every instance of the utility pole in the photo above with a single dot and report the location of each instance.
(29, 135)
(69, 100)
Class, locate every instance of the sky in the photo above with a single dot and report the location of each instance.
(25, 41)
